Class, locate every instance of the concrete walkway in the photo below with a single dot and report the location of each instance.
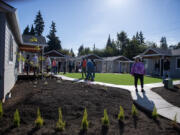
(147, 100)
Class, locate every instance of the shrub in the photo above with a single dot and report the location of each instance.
(1, 110)
(121, 114)
(105, 119)
(85, 123)
(154, 113)
(39, 120)
(60, 123)
(134, 111)
(16, 120)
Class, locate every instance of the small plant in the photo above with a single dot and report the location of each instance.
(174, 122)
(121, 114)
(16, 120)
(85, 123)
(154, 113)
(134, 111)
(1, 110)
(60, 123)
(105, 119)
(39, 120)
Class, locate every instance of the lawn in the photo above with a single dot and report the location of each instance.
(120, 79)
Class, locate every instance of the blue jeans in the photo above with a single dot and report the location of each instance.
(89, 76)
(166, 73)
(55, 70)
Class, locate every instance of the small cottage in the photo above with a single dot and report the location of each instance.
(154, 61)
(117, 64)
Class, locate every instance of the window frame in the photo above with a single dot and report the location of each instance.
(177, 58)
(11, 50)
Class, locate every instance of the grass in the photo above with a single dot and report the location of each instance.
(119, 79)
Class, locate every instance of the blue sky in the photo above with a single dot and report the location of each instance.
(91, 21)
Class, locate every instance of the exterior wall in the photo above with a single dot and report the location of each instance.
(10, 68)
(149, 66)
(2, 42)
(174, 72)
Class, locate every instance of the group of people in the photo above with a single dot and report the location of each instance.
(54, 66)
(32, 63)
(88, 69)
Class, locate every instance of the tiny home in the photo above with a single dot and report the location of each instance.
(154, 61)
(117, 64)
(10, 39)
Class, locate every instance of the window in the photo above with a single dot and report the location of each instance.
(178, 62)
(11, 48)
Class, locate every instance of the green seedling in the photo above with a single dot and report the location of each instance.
(85, 123)
(16, 120)
(39, 120)
(174, 122)
(121, 114)
(60, 125)
(134, 111)
(1, 110)
(154, 113)
(105, 119)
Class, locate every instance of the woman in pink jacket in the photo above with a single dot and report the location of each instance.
(138, 71)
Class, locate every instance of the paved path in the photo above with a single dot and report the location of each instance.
(147, 100)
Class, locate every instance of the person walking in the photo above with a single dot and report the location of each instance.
(138, 72)
(54, 66)
(90, 69)
(27, 64)
(48, 64)
(166, 72)
(35, 64)
(94, 69)
(84, 63)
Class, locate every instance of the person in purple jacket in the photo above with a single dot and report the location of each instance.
(138, 72)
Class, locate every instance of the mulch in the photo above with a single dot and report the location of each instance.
(73, 97)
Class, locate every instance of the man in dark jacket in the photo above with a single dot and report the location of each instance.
(166, 72)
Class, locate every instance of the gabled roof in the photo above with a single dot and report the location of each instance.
(12, 20)
(34, 40)
(54, 53)
(159, 52)
(89, 56)
(120, 58)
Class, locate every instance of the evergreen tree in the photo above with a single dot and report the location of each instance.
(122, 41)
(109, 43)
(39, 24)
(32, 31)
(53, 41)
(141, 37)
(81, 50)
(163, 43)
(26, 30)
(72, 53)
(178, 46)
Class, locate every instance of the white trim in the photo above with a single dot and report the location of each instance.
(176, 62)
(55, 52)
(150, 49)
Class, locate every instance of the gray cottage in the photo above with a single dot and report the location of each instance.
(13, 47)
(117, 64)
(10, 39)
(154, 60)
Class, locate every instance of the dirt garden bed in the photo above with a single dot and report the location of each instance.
(73, 98)
(172, 96)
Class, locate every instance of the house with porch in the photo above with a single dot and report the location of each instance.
(13, 45)
(154, 60)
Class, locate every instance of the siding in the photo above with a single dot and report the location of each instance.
(2, 42)
(175, 73)
(10, 70)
